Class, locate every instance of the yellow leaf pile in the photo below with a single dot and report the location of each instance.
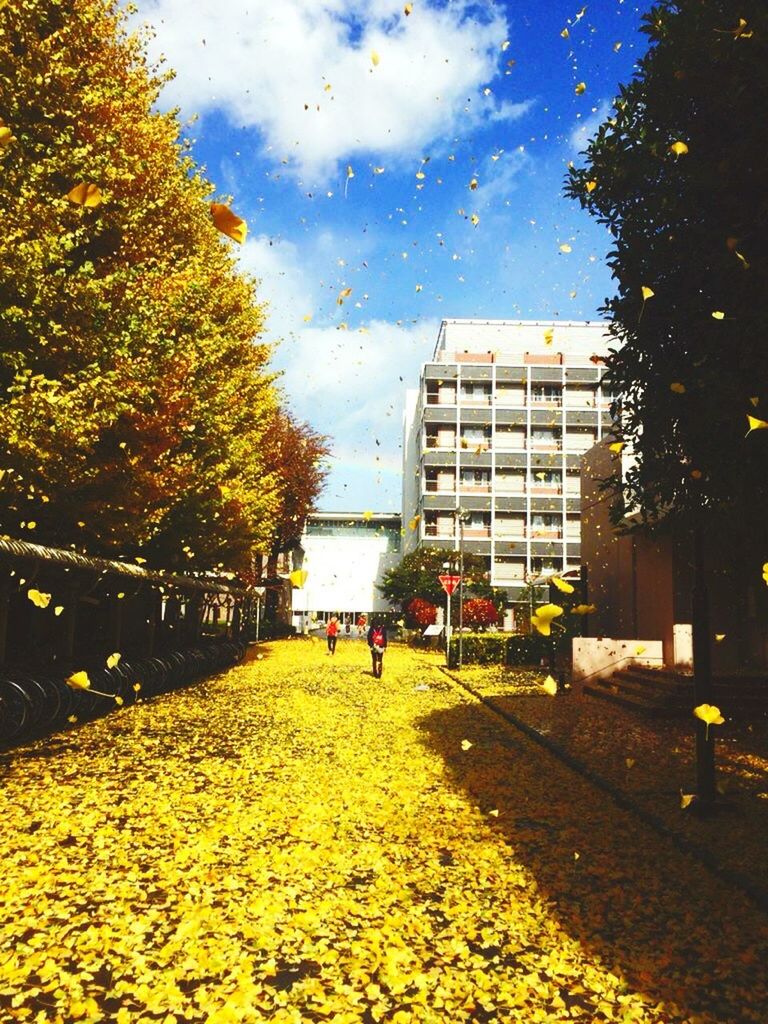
(310, 849)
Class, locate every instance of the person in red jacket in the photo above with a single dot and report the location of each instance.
(377, 641)
(331, 633)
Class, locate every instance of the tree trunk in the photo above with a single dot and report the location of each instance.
(702, 672)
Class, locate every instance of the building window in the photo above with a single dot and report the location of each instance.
(541, 565)
(551, 393)
(475, 478)
(546, 437)
(547, 479)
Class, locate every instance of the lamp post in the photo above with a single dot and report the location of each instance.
(260, 592)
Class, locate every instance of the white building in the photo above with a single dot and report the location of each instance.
(345, 556)
(496, 429)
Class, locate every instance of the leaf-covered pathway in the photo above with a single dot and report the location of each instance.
(297, 841)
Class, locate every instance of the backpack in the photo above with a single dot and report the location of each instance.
(378, 638)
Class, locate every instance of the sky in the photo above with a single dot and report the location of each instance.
(394, 170)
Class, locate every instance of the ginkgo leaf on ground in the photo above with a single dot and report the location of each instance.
(85, 194)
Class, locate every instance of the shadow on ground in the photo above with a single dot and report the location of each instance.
(656, 918)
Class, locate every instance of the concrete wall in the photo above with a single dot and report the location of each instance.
(342, 573)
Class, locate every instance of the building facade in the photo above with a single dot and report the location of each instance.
(492, 442)
(345, 556)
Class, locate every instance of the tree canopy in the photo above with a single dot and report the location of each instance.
(677, 174)
(137, 410)
(417, 576)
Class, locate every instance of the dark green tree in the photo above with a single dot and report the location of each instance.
(677, 174)
(417, 576)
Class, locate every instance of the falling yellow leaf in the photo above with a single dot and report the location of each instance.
(374, 58)
(466, 745)
(640, 649)
(58, 609)
(562, 585)
(113, 659)
(686, 799)
(307, 317)
(584, 609)
(679, 148)
(630, 762)
(494, 813)
(298, 578)
(350, 172)
(85, 194)
(591, 186)
(549, 686)
(616, 446)
(677, 387)
(765, 572)
(413, 523)
(648, 293)
(228, 223)
(549, 336)
(475, 219)
(719, 637)
(79, 681)
(755, 400)
(378, 170)
(119, 701)
(565, 33)
(38, 599)
(343, 294)
(72, 718)
(420, 175)
(367, 516)
(136, 687)
(756, 424)
(616, 47)
(473, 184)
(327, 87)
(407, 9)
(580, 88)
(718, 315)
(419, 287)
(565, 247)
(542, 618)
(709, 714)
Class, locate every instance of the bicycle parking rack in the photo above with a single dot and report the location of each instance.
(168, 629)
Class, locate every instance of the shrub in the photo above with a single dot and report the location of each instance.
(420, 612)
(480, 612)
(478, 649)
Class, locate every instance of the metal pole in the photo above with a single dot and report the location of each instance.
(448, 629)
(258, 607)
(461, 584)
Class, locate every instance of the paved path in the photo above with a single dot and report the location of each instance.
(296, 841)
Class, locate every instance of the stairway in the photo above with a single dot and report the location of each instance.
(666, 693)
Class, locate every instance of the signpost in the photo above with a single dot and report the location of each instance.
(448, 582)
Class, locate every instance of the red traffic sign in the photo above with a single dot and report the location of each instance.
(449, 583)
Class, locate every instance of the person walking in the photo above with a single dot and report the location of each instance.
(331, 633)
(377, 641)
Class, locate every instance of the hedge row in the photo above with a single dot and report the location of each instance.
(500, 649)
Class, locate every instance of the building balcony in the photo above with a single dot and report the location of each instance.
(441, 399)
(475, 400)
(474, 488)
(438, 487)
(444, 444)
(542, 490)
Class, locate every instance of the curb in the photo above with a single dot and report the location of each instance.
(699, 853)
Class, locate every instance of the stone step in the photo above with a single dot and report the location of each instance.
(628, 700)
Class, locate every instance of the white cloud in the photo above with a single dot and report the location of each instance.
(349, 384)
(500, 177)
(583, 131)
(269, 66)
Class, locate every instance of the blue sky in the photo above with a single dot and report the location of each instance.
(358, 143)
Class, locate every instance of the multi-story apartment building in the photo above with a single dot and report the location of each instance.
(493, 439)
